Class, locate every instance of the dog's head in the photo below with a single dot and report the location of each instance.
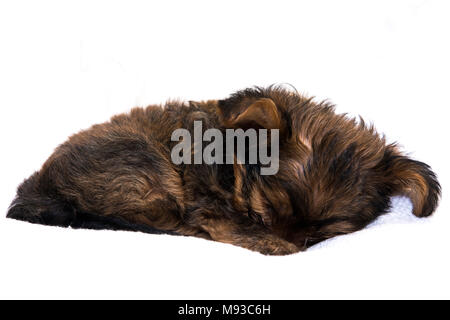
(326, 166)
(275, 200)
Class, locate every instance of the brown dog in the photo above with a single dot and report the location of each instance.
(336, 175)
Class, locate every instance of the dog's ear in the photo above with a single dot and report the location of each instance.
(260, 113)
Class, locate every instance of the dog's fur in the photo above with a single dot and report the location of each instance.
(336, 176)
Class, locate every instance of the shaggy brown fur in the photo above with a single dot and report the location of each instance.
(336, 175)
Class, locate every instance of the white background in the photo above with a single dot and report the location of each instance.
(65, 65)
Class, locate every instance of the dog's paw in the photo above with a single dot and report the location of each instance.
(278, 247)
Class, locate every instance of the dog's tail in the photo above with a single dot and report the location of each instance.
(416, 180)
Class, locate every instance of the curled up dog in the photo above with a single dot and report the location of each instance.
(269, 170)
